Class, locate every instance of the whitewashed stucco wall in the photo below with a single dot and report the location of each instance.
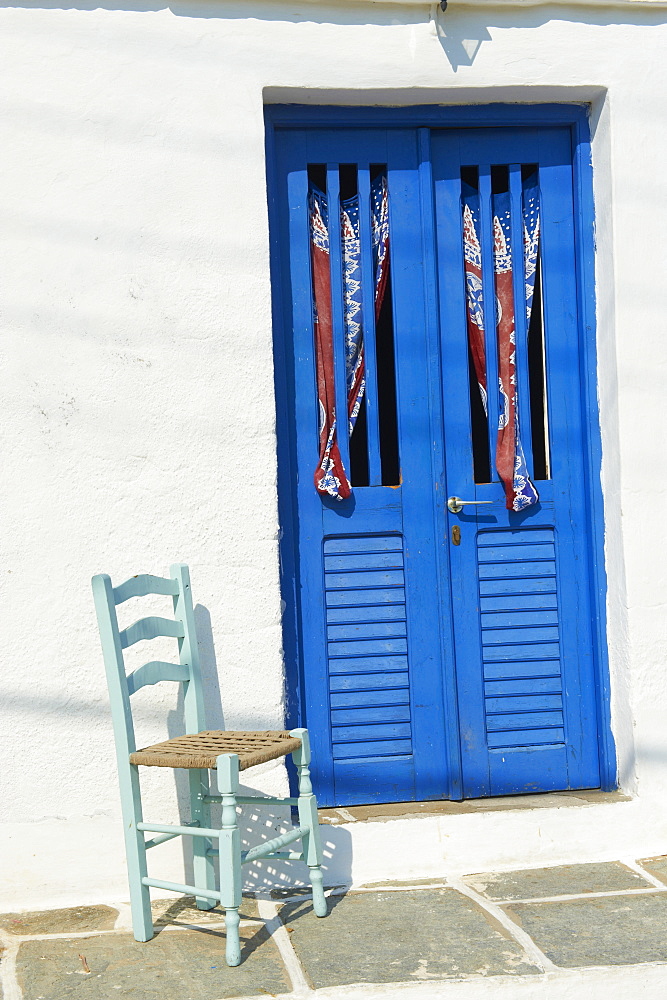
(137, 391)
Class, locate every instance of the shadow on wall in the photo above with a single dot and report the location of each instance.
(461, 30)
(257, 823)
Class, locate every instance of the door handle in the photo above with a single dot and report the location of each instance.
(456, 504)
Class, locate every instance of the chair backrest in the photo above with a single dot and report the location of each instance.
(181, 627)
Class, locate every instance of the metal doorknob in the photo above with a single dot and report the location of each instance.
(456, 504)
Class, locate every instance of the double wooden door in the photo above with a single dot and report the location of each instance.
(436, 650)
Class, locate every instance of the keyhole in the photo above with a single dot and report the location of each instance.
(456, 535)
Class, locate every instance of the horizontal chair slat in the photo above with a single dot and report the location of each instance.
(261, 800)
(190, 831)
(143, 584)
(154, 672)
(186, 890)
(274, 845)
(149, 628)
(161, 839)
(213, 852)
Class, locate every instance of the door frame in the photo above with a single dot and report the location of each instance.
(576, 117)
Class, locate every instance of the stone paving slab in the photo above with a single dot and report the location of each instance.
(559, 881)
(390, 937)
(182, 910)
(608, 930)
(656, 866)
(175, 965)
(66, 921)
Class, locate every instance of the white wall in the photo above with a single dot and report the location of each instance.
(137, 395)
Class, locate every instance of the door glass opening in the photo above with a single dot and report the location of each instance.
(539, 413)
(508, 204)
(354, 324)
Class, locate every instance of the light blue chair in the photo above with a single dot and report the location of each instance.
(198, 750)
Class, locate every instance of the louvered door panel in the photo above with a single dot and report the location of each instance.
(368, 648)
(522, 715)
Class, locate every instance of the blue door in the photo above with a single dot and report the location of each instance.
(436, 649)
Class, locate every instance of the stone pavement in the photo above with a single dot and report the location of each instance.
(570, 931)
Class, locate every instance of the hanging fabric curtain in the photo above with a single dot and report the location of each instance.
(330, 475)
(510, 461)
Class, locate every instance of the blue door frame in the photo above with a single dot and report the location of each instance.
(434, 742)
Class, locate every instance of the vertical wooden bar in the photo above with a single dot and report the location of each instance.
(489, 307)
(195, 722)
(128, 774)
(337, 314)
(444, 284)
(520, 322)
(188, 650)
(229, 847)
(308, 525)
(368, 320)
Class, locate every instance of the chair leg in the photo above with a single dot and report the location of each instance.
(204, 871)
(307, 806)
(140, 897)
(230, 853)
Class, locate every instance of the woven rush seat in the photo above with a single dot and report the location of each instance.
(202, 749)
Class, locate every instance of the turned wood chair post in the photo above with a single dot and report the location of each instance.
(230, 853)
(307, 807)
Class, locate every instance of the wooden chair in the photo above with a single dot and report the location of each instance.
(198, 750)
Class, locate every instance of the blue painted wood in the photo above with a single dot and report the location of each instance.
(379, 714)
(368, 664)
(363, 544)
(436, 116)
(399, 695)
(368, 630)
(509, 670)
(306, 602)
(538, 686)
(351, 597)
(387, 749)
(505, 563)
(513, 618)
(585, 275)
(366, 613)
(514, 575)
(521, 588)
(522, 702)
(519, 536)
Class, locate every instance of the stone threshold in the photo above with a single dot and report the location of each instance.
(407, 810)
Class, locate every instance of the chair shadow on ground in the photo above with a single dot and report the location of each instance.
(257, 823)
(183, 913)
